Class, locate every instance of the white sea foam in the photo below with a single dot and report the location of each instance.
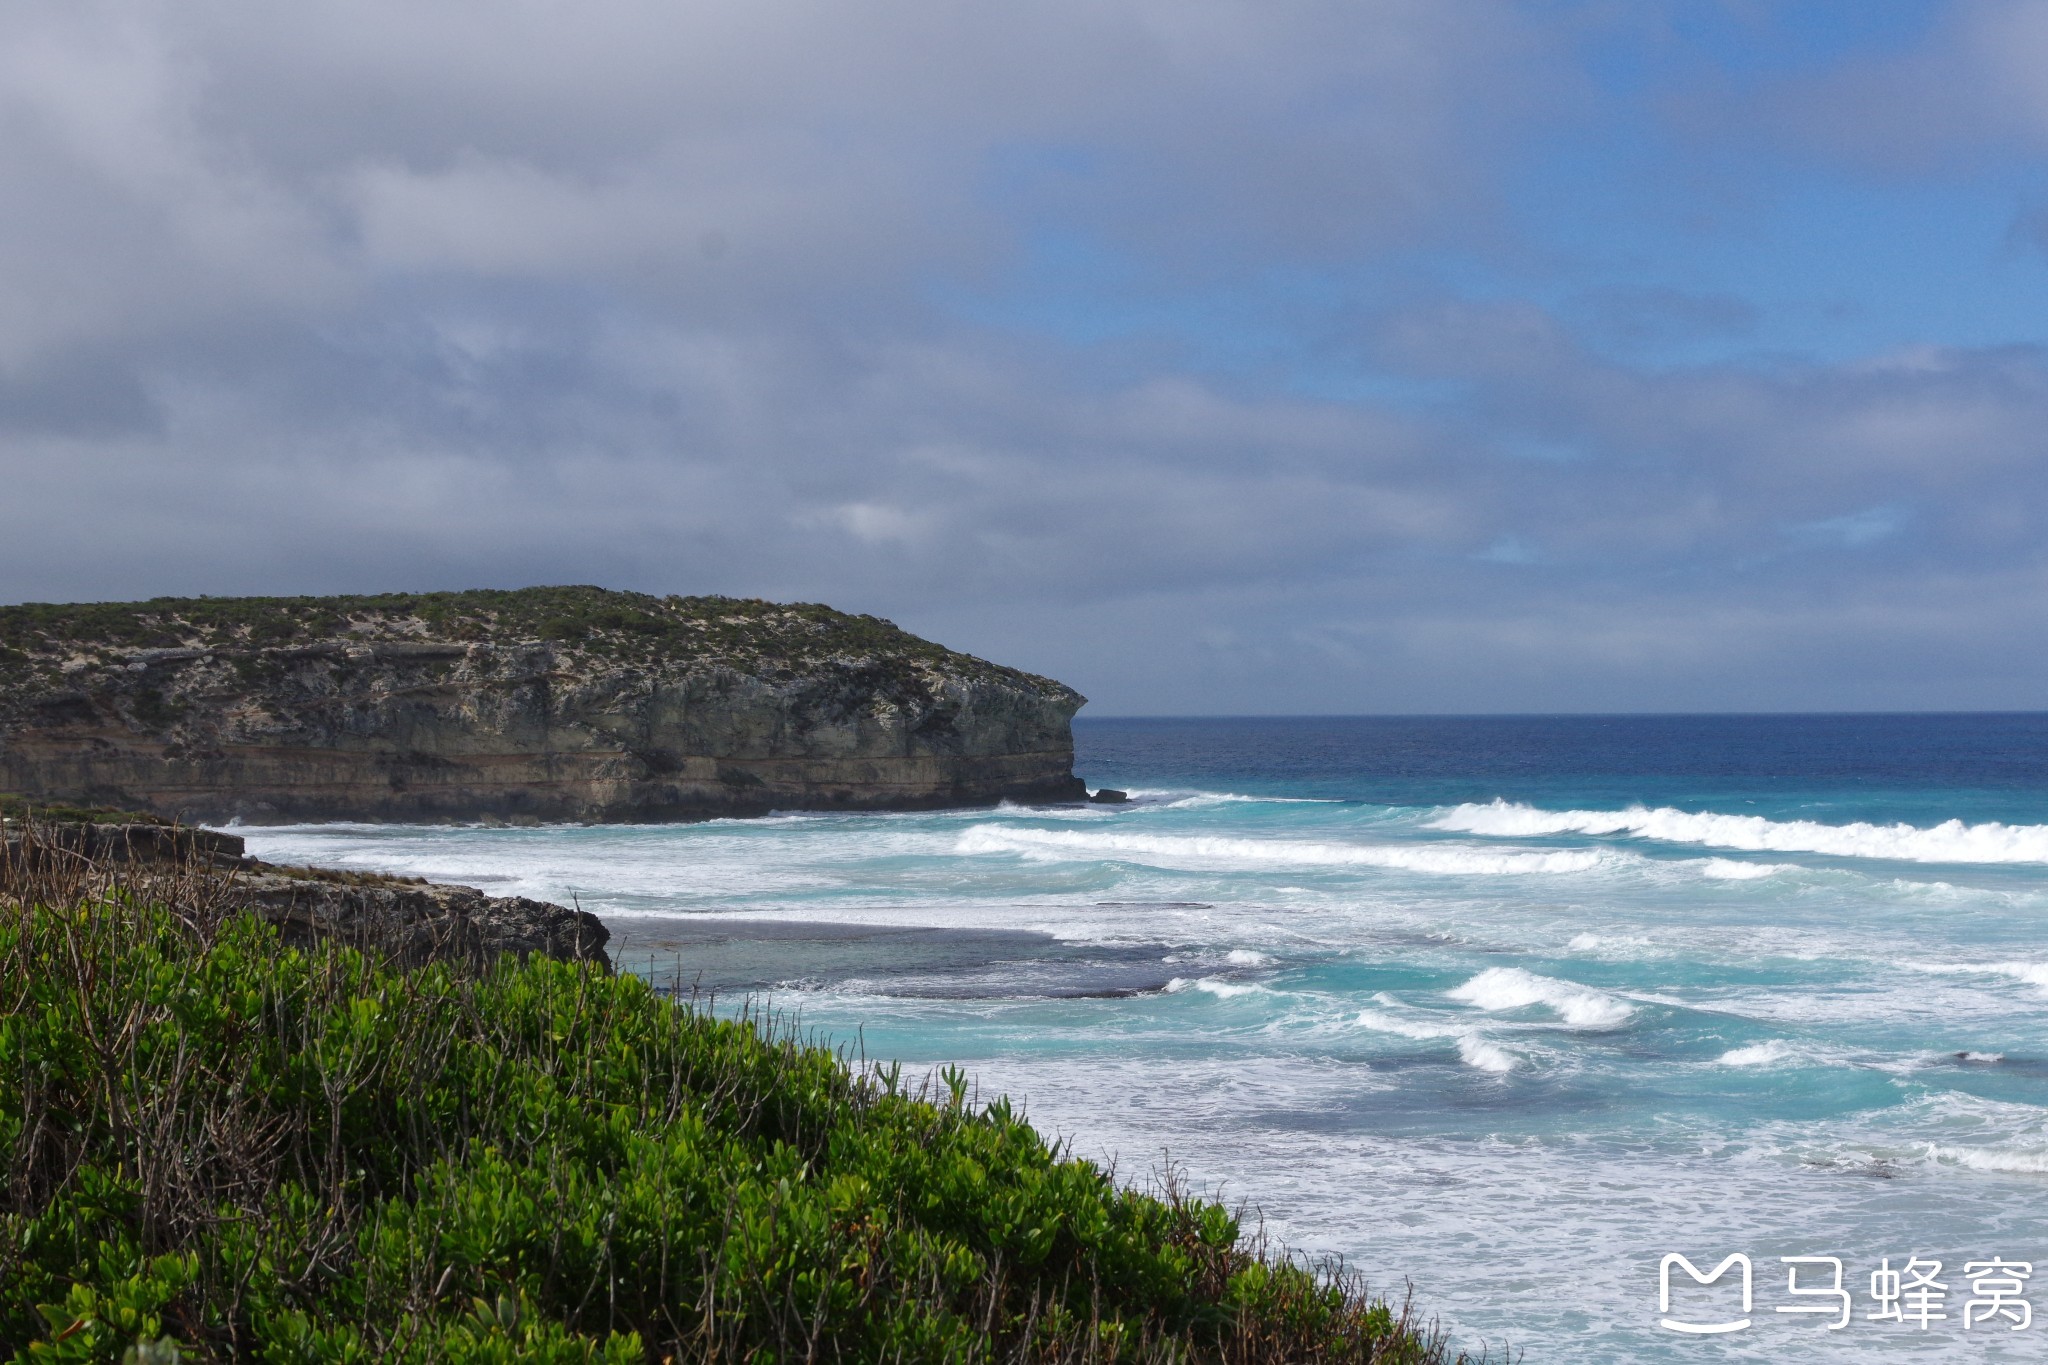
(1422, 1031)
(1510, 988)
(1732, 870)
(1180, 799)
(2008, 1160)
(1209, 985)
(1766, 1053)
(1949, 842)
(1246, 957)
(1088, 812)
(2032, 973)
(1596, 943)
(1474, 1049)
(1233, 854)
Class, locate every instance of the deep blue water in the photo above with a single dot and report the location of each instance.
(1865, 767)
(1510, 1007)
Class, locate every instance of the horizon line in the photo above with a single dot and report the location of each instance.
(1081, 718)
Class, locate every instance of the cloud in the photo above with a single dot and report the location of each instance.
(379, 295)
(1970, 85)
(1639, 316)
(1853, 530)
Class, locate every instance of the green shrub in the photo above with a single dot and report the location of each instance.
(13, 807)
(249, 1151)
(743, 633)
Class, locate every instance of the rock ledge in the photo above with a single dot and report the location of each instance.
(406, 920)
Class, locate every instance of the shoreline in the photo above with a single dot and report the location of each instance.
(405, 919)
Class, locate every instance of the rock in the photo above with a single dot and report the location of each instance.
(1110, 796)
(406, 920)
(546, 704)
(138, 843)
(417, 923)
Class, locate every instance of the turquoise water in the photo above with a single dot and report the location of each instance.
(1510, 1008)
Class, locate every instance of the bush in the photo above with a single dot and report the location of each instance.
(743, 633)
(249, 1151)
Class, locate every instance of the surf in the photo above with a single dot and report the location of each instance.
(1230, 853)
(1951, 841)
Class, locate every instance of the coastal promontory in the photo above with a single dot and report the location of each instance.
(572, 703)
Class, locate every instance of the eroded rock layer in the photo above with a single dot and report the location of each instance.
(546, 703)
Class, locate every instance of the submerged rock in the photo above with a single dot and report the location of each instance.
(540, 704)
(1110, 796)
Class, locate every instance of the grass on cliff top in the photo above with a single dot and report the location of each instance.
(745, 632)
(270, 1154)
(14, 807)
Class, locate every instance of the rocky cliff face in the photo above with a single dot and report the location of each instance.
(547, 703)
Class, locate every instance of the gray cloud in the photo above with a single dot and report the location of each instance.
(378, 295)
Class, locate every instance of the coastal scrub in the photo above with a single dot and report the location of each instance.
(257, 1151)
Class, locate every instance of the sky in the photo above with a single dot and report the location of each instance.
(1213, 356)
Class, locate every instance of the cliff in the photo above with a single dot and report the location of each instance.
(544, 703)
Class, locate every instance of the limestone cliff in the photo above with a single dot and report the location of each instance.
(544, 703)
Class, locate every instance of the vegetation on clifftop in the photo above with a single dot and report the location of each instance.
(13, 807)
(292, 1156)
(746, 634)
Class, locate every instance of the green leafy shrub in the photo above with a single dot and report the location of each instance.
(220, 1148)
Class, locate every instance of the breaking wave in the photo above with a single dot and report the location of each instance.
(2009, 1160)
(1949, 842)
(1209, 985)
(1729, 870)
(1473, 1050)
(1476, 1051)
(1172, 798)
(1177, 850)
(1511, 988)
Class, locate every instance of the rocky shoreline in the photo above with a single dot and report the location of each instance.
(406, 921)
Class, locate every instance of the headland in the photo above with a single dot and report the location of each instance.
(541, 704)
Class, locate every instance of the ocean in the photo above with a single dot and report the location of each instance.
(1508, 1008)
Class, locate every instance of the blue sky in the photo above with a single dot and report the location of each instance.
(1214, 356)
